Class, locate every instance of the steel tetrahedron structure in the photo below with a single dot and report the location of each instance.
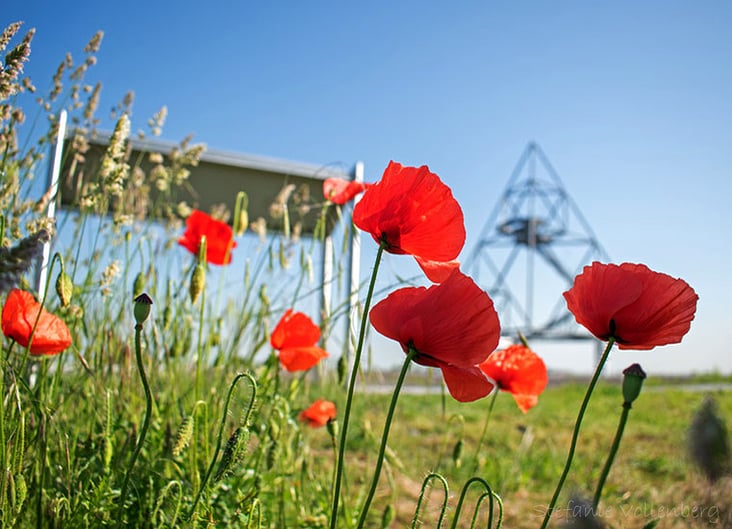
(533, 244)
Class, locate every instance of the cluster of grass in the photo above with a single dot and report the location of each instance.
(222, 441)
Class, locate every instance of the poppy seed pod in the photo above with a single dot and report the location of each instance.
(143, 303)
(633, 377)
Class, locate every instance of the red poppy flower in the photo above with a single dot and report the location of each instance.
(631, 303)
(295, 337)
(339, 190)
(219, 241)
(413, 212)
(520, 371)
(19, 315)
(452, 326)
(319, 413)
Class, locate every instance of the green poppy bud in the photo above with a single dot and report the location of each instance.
(143, 303)
(633, 377)
(64, 288)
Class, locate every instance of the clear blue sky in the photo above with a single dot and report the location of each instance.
(631, 101)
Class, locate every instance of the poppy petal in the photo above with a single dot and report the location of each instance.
(339, 190)
(301, 358)
(413, 212)
(437, 271)
(466, 384)
(293, 330)
(453, 322)
(219, 237)
(319, 413)
(520, 371)
(18, 317)
(638, 307)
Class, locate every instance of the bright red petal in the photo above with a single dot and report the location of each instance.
(520, 371)
(301, 358)
(437, 271)
(525, 402)
(219, 237)
(319, 413)
(452, 323)
(640, 308)
(339, 191)
(466, 384)
(19, 315)
(661, 316)
(414, 212)
(295, 329)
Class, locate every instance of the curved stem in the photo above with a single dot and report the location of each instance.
(220, 436)
(575, 433)
(485, 428)
(611, 455)
(385, 436)
(146, 420)
(351, 386)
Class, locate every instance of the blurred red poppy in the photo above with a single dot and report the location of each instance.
(412, 212)
(520, 371)
(339, 191)
(639, 308)
(295, 337)
(452, 326)
(219, 237)
(19, 315)
(319, 413)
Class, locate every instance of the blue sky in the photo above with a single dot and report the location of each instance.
(629, 100)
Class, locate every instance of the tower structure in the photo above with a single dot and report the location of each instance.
(534, 243)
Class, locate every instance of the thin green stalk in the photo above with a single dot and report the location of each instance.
(146, 420)
(485, 429)
(199, 346)
(611, 455)
(351, 386)
(385, 436)
(575, 433)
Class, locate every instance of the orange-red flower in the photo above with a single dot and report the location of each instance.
(219, 237)
(319, 413)
(19, 315)
(339, 190)
(452, 326)
(520, 371)
(631, 303)
(295, 337)
(412, 211)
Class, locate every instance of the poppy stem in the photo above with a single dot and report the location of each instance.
(485, 429)
(351, 386)
(220, 437)
(385, 436)
(575, 433)
(611, 455)
(146, 420)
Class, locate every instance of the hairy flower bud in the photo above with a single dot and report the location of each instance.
(198, 282)
(64, 288)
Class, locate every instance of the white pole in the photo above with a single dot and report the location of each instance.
(54, 170)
